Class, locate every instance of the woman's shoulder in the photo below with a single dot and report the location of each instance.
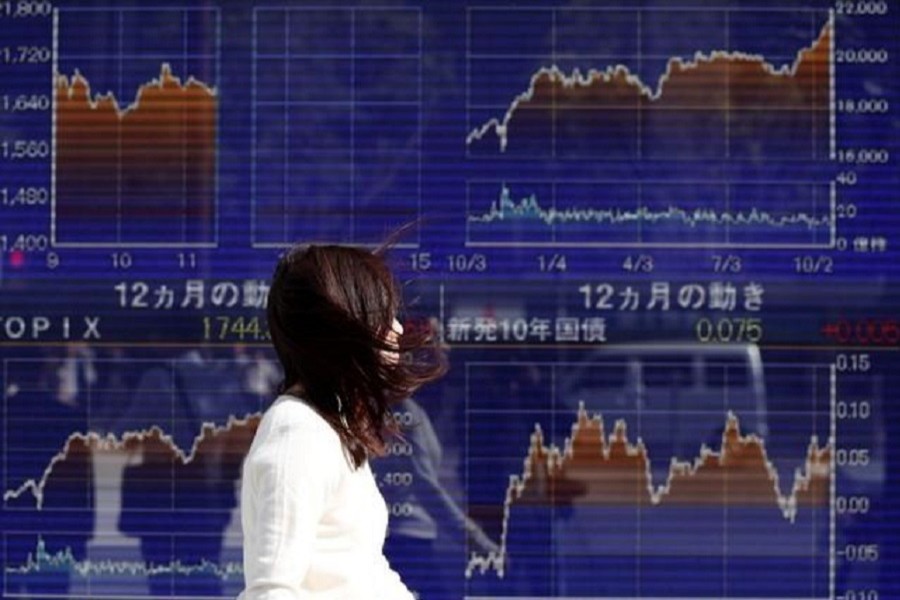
(293, 412)
(293, 442)
(290, 421)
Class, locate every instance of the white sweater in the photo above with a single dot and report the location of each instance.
(313, 526)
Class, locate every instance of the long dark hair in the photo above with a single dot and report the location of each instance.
(330, 309)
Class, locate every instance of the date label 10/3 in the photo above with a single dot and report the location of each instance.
(467, 263)
(456, 263)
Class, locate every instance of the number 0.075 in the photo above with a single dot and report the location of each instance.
(729, 330)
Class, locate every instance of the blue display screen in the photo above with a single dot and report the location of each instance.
(658, 240)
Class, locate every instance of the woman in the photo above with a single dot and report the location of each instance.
(314, 521)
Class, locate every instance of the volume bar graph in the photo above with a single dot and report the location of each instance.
(135, 134)
(111, 577)
(634, 213)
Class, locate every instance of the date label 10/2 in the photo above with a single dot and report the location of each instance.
(814, 265)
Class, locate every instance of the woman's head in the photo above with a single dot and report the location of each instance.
(332, 313)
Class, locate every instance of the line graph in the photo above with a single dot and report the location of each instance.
(337, 118)
(723, 103)
(181, 501)
(169, 416)
(631, 472)
(739, 473)
(235, 436)
(647, 213)
(120, 491)
(135, 133)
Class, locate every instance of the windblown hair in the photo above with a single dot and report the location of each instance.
(330, 309)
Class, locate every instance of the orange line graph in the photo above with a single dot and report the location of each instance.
(595, 469)
(152, 158)
(700, 93)
(226, 444)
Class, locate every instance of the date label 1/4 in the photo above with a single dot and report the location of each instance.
(552, 263)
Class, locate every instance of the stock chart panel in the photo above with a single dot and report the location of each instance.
(658, 241)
